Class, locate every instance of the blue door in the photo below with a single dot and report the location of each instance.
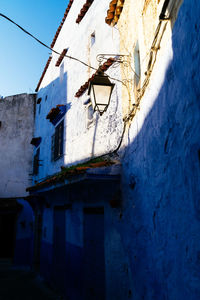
(59, 251)
(94, 259)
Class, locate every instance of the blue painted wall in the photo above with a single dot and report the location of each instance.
(24, 235)
(160, 221)
(93, 256)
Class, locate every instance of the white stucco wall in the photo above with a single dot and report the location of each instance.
(104, 133)
(16, 132)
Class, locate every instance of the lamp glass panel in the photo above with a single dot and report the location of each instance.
(92, 98)
(102, 107)
(102, 94)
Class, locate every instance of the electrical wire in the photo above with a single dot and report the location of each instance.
(45, 45)
(85, 64)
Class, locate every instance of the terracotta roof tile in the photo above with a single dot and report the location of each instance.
(85, 86)
(62, 55)
(54, 112)
(84, 10)
(63, 20)
(54, 41)
(114, 12)
(70, 172)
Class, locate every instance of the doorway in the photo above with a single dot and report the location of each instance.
(59, 248)
(94, 258)
(7, 234)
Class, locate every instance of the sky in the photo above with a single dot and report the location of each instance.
(22, 59)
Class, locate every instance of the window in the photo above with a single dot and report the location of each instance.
(36, 162)
(137, 63)
(39, 100)
(57, 142)
(62, 72)
(137, 68)
(52, 146)
(92, 39)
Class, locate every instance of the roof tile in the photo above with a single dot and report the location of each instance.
(114, 12)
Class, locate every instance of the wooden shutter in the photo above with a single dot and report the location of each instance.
(58, 140)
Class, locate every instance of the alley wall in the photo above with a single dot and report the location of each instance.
(16, 132)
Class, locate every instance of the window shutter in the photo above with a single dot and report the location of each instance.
(58, 141)
(53, 147)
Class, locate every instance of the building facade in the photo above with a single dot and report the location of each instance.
(16, 131)
(117, 195)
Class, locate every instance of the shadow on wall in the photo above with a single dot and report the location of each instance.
(56, 90)
(162, 209)
(24, 235)
(52, 95)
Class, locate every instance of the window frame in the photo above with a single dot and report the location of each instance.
(57, 142)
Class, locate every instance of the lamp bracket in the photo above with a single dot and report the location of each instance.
(118, 59)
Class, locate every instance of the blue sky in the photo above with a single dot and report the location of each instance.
(22, 59)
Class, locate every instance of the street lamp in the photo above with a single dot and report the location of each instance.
(100, 89)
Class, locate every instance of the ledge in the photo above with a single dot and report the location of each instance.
(91, 170)
(56, 113)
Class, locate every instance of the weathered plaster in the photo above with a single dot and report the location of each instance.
(161, 172)
(80, 141)
(16, 132)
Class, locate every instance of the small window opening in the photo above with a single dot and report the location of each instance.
(92, 39)
(62, 72)
(137, 64)
(39, 109)
(137, 69)
(46, 98)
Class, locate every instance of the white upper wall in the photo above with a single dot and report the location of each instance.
(82, 139)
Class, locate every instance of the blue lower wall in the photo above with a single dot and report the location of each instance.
(23, 252)
(74, 271)
(67, 279)
(46, 260)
